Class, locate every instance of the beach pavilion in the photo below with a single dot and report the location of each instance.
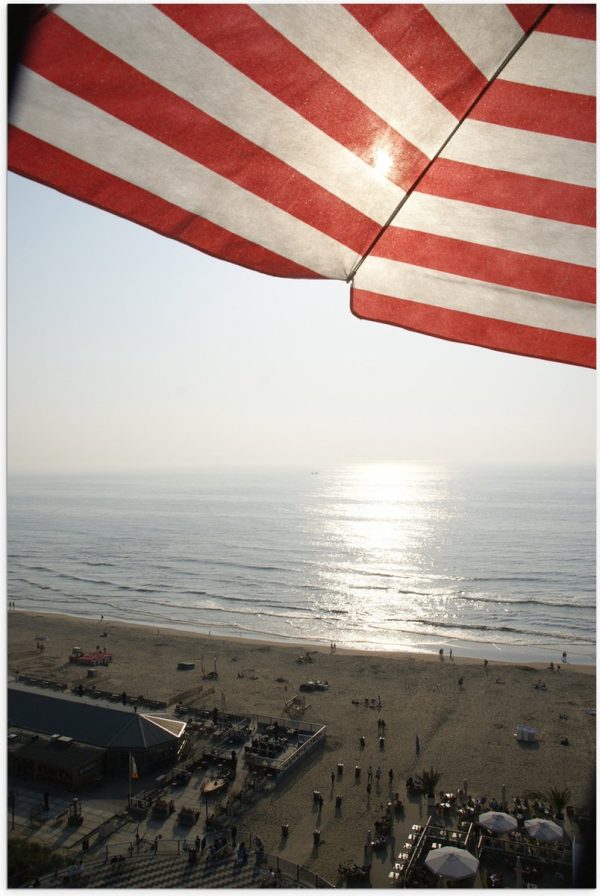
(51, 731)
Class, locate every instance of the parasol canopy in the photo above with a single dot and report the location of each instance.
(543, 829)
(451, 862)
(439, 158)
(499, 822)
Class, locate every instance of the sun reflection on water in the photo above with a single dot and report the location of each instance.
(381, 529)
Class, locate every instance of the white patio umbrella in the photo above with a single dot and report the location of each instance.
(544, 830)
(451, 862)
(499, 822)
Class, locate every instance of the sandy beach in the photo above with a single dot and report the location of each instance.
(466, 732)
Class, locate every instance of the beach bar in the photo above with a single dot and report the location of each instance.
(114, 732)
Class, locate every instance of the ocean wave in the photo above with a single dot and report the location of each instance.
(39, 585)
(207, 561)
(97, 563)
(510, 601)
(255, 607)
(507, 629)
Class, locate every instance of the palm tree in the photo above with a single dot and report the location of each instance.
(558, 799)
(430, 780)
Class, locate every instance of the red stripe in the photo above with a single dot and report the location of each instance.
(254, 47)
(97, 76)
(458, 326)
(520, 193)
(41, 162)
(525, 14)
(419, 43)
(554, 112)
(513, 269)
(571, 20)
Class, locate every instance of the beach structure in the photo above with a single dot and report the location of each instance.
(526, 734)
(53, 731)
(57, 759)
(279, 745)
(90, 658)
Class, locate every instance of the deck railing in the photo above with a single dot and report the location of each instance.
(144, 849)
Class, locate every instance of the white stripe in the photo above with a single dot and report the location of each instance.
(499, 228)
(77, 127)
(443, 290)
(523, 152)
(178, 62)
(487, 33)
(555, 62)
(333, 39)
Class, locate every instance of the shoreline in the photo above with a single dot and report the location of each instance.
(462, 650)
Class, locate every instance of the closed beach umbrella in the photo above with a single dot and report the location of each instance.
(518, 874)
(499, 822)
(544, 830)
(453, 863)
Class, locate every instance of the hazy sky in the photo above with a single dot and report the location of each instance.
(129, 350)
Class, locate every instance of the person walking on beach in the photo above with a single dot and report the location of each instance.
(332, 779)
(369, 774)
(460, 682)
(391, 776)
(378, 772)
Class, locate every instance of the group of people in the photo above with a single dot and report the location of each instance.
(378, 774)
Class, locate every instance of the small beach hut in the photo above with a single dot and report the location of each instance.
(526, 734)
(498, 822)
(452, 863)
(544, 830)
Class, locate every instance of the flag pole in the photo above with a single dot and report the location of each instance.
(129, 783)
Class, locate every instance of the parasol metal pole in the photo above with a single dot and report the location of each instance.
(129, 782)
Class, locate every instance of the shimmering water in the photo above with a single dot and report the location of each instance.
(496, 563)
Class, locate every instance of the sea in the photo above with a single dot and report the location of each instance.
(495, 563)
